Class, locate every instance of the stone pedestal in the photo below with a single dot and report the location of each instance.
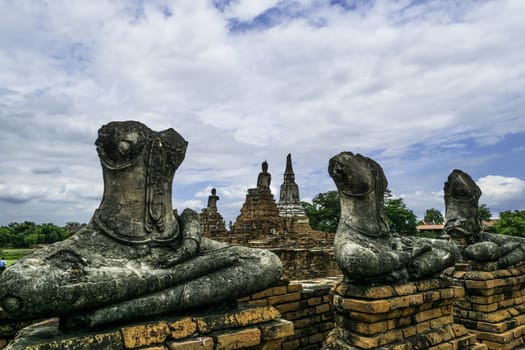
(212, 224)
(415, 315)
(493, 306)
(9, 329)
(294, 218)
(259, 216)
(253, 327)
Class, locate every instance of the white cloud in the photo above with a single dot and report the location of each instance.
(419, 201)
(246, 10)
(192, 204)
(499, 189)
(378, 80)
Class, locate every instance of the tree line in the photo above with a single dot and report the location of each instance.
(28, 234)
(324, 213)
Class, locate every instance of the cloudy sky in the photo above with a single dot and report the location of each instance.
(422, 87)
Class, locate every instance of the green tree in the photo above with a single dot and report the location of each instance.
(400, 219)
(324, 211)
(24, 228)
(511, 223)
(484, 213)
(31, 239)
(19, 231)
(5, 237)
(27, 234)
(433, 216)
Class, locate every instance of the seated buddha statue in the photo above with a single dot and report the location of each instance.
(264, 179)
(487, 250)
(365, 248)
(136, 258)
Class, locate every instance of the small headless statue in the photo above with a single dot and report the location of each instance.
(136, 259)
(487, 251)
(365, 249)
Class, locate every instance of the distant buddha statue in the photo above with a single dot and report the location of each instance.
(212, 200)
(136, 258)
(265, 178)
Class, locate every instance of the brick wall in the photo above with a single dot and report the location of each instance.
(493, 305)
(306, 304)
(244, 327)
(300, 264)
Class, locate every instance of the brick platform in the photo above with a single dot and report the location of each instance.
(493, 305)
(416, 315)
(306, 304)
(244, 327)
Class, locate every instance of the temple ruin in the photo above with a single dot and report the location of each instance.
(282, 227)
(212, 222)
(142, 277)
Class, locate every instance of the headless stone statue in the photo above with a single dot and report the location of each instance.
(212, 200)
(265, 178)
(488, 251)
(365, 249)
(136, 258)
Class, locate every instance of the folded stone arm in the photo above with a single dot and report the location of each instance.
(362, 263)
(191, 239)
(431, 261)
(390, 263)
(505, 250)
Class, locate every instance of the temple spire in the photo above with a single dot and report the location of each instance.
(289, 189)
(289, 176)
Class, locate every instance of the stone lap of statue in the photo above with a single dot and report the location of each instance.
(136, 259)
(365, 249)
(488, 251)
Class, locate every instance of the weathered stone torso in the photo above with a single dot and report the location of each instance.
(365, 249)
(136, 258)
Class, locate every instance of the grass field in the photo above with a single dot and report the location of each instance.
(11, 255)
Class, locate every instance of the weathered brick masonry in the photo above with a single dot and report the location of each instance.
(492, 306)
(244, 327)
(415, 315)
(306, 304)
(303, 263)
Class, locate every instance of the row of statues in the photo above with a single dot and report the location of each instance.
(137, 258)
(368, 252)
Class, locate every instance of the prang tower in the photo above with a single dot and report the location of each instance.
(290, 208)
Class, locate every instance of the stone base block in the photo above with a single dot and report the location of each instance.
(244, 327)
(415, 315)
(493, 305)
(9, 329)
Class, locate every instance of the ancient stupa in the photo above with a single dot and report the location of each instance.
(259, 215)
(212, 222)
(290, 208)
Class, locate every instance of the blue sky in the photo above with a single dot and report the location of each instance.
(423, 87)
